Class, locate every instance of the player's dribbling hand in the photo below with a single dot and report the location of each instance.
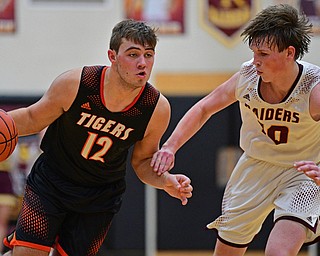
(178, 186)
(162, 161)
(310, 169)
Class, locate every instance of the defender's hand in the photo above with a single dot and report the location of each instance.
(162, 161)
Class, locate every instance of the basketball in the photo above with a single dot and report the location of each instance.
(8, 135)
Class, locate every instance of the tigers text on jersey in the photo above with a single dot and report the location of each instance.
(89, 144)
(279, 133)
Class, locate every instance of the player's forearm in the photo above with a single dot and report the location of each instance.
(188, 126)
(147, 176)
(24, 123)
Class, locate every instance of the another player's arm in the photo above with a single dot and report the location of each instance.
(192, 121)
(57, 99)
(144, 149)
(178, 185)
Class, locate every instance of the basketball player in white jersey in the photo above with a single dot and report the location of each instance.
(279, 98)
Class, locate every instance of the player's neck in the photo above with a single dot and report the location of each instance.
(277, 90)
(118, 96)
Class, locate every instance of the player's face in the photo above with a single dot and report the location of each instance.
(134, 63)
(269, 62)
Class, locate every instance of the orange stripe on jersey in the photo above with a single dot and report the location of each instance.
(60, 250)
(135, 100)
(102, 85)
(15, 242)
(7, 243)
(102, 91)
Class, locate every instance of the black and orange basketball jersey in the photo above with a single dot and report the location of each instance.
(89, 144)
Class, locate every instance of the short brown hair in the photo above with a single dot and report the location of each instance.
(136, 31)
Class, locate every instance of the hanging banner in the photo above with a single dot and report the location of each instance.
(225, 19)
(167, 15)
(7, 19)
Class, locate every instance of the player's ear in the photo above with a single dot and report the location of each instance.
(291, 51)
(112, 55)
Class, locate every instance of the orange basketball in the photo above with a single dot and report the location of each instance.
(8, 135)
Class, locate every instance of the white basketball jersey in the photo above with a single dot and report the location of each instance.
(279, 133)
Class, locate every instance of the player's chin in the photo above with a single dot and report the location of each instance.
(142, 82)
(139, 83)
(142, 79)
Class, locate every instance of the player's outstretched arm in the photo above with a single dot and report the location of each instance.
(192, 122)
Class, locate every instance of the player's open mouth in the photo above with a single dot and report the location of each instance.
(142, 74)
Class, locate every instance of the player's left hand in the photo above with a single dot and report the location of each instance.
(310, 169)
(178, 186)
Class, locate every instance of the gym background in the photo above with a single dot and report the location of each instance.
(197, 50)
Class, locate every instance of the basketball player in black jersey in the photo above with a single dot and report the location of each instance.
(93, 116)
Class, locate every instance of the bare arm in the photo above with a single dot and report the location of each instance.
(315, 103)
(193, 120)
(310, 168)
(57, 99)
(177, 185)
